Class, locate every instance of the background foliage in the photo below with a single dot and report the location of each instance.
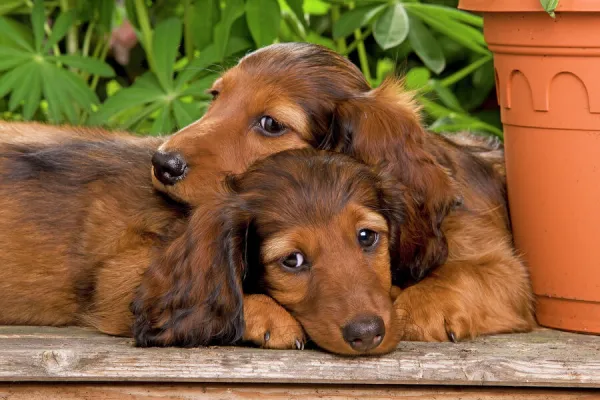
(59, 59)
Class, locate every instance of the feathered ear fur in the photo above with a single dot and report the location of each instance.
(382, 128)
(191, 295)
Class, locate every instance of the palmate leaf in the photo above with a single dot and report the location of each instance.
(186, 113)
(165, 44)
(234, 9)
(199, 87)
(52, 94)
(78, 89)
(38, 19)
(10, 57)
(20, 88)
(8, 31)
(466, 35)
(87, 64)
(263, 17)
(426, 46)
(9, 80)
(144, 91)
(206, 16)
(33, 94)
(164, 122)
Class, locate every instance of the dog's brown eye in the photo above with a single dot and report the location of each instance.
(294, 261)
(367, 238)
(271, 127)
(214, 93)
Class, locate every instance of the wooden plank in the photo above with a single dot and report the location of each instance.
(276, 392)
(543, 358)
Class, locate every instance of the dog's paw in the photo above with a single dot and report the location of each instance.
(270, 326)
(423, 318)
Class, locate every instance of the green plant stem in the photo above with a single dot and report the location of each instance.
(103, 55)
(55, 48)
(188, 13)
(362, 55)
(144, 22)
(87, 39)
(466, 71)
(340, 43)
(353, 45)
(72, 37)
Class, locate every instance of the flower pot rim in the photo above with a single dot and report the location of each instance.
(527, 5)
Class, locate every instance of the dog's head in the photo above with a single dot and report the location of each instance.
(314, 230)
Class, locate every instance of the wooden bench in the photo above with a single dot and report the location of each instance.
(69, 363)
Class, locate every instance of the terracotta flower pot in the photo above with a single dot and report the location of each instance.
(548, 82)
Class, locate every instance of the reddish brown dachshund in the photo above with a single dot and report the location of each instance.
(311, 229)
(80, 225)
(470, 281)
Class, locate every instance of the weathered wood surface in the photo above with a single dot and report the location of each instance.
(72, 391)
(544, 358)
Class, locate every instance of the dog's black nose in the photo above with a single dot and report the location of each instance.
(364, 333)
(169, 167)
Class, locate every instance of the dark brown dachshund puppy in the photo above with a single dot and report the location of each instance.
(470, 282)
(313, 230)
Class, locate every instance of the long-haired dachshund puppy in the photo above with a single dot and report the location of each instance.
(464, 276)
(81, 227)
(312, 230)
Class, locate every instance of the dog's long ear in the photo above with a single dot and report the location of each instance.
(382, 127)
(191, 295)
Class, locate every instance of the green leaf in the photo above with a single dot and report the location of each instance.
(33, 94)
(446, 12)
(392, 27)
(467, 36)
(233, 10)
(145, 90)
(104, 11)
(206, 16)
(313, 37)
(164, 121)
(9, 5)
(165, 45)
(355, 19)
(186, 113)
(208, 61)
(21, 87)
(139, 115)
(9, 30)
(297, 7)
(385, 68)
(78, 89)
(417, 78)
(263, 17)
(446, 96)
(9, 80)
(199, 87)
(59, 102)
(10, 58)
(426, 46)
(59, 29)
(38, 19)
(550, 6)
(87, 64)
(316, 7)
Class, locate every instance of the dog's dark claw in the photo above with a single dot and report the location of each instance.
(267, 336)
(452, 337)
(299, 345)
